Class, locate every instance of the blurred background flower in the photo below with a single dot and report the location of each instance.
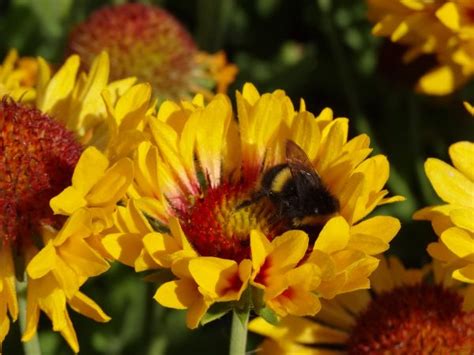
(441, 28)
(148, 42)
(407, 310)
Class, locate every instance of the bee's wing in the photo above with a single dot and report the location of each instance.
(302, 171)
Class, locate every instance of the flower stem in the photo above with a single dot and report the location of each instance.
(31, 347)
(238, 335)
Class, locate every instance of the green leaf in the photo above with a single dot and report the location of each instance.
(216, 311)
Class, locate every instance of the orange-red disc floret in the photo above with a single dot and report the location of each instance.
(419, 319)
(143, 41)
(37, 159)
(217, 225)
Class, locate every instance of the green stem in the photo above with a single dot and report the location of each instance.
(238, 335)
(31, 347)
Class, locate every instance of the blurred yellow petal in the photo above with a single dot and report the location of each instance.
(450, 184)
(458, 241)
(462, 155)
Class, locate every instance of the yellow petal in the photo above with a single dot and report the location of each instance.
(179, 294)
(60, 86)
(89, 169)
(289, 249)
(123, 247)
(87, 307)
(334, 236)
(43, 262)
(449, 15)
(196, 311)
(367, 243)
(132, 106)
(465, 274)
(462, 155)
(458, 241)
(67, 202)
(210, 272)
(469, 107)
(210, 136)
(440, 252)
(83, 259)
(452, 186)
(382, 227)
(113, 185)
(260, 247)
(440, 81)
(78, 225)
(463, 218)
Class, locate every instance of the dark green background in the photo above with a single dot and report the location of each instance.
(319, 50)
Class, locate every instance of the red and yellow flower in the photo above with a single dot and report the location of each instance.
(190, 208)
(404, 313)
(39, 156)
(148, 42)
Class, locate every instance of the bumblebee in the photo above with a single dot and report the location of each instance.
(296, 189)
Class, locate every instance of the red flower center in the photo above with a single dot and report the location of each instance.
(218, 225)
(420, 319)
(37, 159)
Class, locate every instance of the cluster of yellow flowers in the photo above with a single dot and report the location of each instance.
(180, 188)
(444, 28)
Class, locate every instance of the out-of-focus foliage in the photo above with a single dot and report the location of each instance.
(320, 50)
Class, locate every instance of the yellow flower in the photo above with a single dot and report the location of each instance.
(148, 42)
(55, 274)
(405, 314)
(453, 221)
(38, 159)
(95, 186)
(443, 28)
(199, 183)
(18, 77)
(75, 100)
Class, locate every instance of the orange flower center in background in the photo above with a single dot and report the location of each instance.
(420, 319)
(37, 159)
(143, 41)
(219, 223)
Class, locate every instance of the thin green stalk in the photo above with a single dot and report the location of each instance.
(238, 334)
(32, 347)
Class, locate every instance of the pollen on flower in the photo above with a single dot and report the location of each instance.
(143, 41)
(419, 319)
(37, 159)
(217, 225)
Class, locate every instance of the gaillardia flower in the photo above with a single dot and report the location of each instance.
(273, 205)
(405, 314)
(443, 28)
(40, 146)
(147, 42)
(453, 221)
